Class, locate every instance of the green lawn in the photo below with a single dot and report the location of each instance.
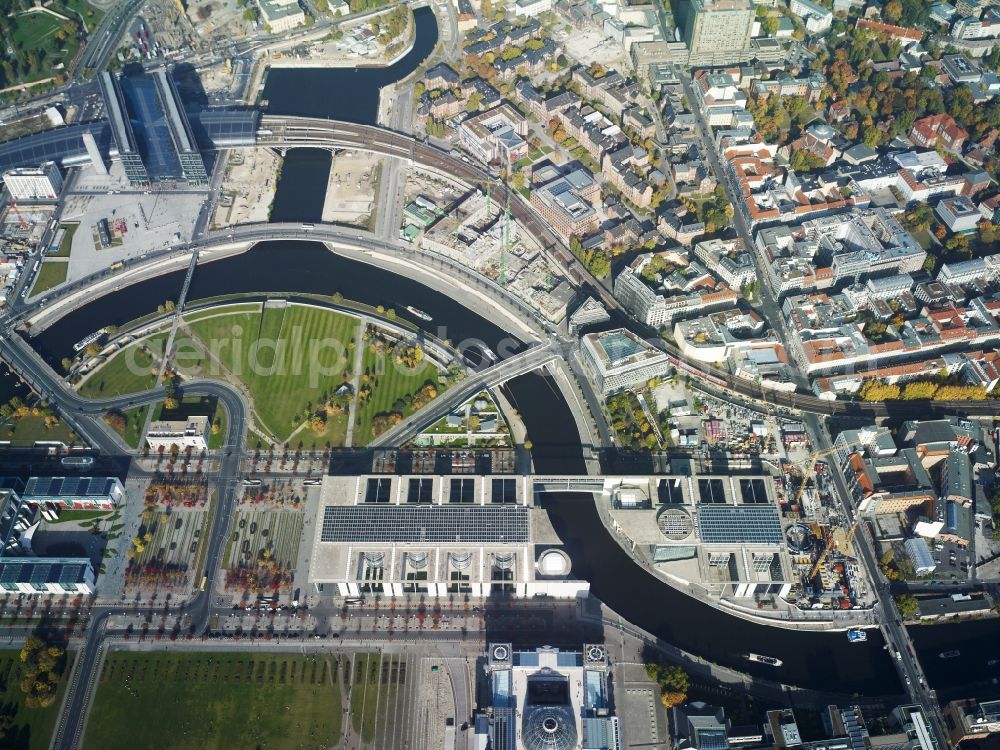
(52, 273)
(129, 371)
(26, 431)
(392, 383)
(203, 701)
(135, 420)
(39, 33)
(80, 515)
(227, 309)
(289, 357)
(33, 727)
(364, 695)
(218, 439)
(67, 242)
(189, 358)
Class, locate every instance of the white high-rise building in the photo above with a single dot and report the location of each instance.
(34, 183)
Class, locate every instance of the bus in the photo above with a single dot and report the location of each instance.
(118, 265)
(204, 583)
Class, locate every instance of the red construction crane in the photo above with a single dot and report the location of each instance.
(20, 219)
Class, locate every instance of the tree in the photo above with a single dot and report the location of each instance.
(67, 364)
(673, 682)
(474, 423)
(44, 664)
(908, 606)
(919, 389)
(486, 8)
(93, 349)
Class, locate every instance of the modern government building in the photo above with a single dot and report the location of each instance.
(437, 536)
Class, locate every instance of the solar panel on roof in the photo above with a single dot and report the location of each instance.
(739, 524)
(482, 524)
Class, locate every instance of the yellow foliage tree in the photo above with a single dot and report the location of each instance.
(876, 390)
(919, 389)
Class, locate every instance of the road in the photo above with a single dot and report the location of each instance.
(458, 394)
(104, 41)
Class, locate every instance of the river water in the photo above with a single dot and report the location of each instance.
(349, 94)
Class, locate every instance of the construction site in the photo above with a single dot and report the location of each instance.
(478, 232)
(820, 542)
(22, 228)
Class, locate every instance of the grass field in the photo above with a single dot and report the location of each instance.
(392, 383)
(128, 371)
(204, 701)
(364, 695)
(67, 242)
(40, 33)
(78, 516)
(29, 430)
(52, 273)
(290, 358)
(33, 727)
(135, 419)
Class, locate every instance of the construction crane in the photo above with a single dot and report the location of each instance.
(828, 545)
(810, 466)
(20, 219)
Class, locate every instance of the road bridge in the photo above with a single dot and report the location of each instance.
(458, 394)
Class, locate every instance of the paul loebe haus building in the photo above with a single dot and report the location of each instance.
(436, 536)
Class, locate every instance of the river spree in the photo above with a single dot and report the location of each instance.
(349, 94)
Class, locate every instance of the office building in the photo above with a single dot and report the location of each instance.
(21, 571)
(281, 15)
(496, 135)
(185, 147)
(190, 433)
(547, 699)
(619, 359)
(563, 204)
(717, 32)
(74, 493)
(34, 183)
(435, 535)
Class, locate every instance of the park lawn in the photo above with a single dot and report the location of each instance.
(286, 375)
(37, 31)
(364, 695)
(227, 336)
(52, 273)
(222, 309)
(67, 241)
(218, 439)
(128, 371)
(334, 436)
(76, 8)
(135, 420)
(33, 727)
(206, 701)
(27, 431)
(392, 383)
(189, 358)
